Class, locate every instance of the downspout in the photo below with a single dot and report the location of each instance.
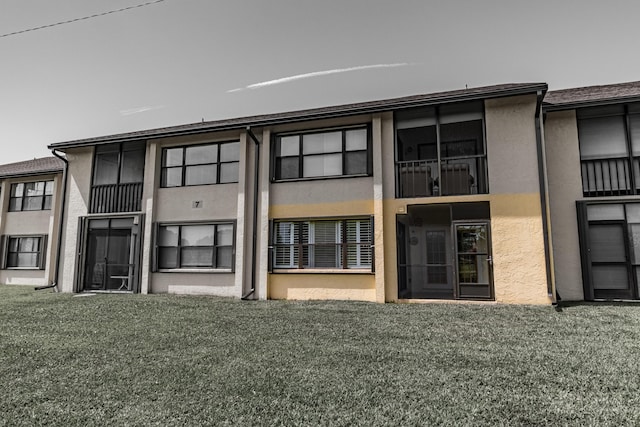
(542, 177)
(56, 267)
(254, 243)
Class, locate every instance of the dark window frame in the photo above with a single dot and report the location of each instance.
(300, 249)
(276, 174)
(47, 198)
(179, 248)
(184, 166)
(623, 170)
(7, 252)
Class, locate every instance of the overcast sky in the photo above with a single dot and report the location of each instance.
(180, 61)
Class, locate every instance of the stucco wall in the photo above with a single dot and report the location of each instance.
(565, 187)
(220, 284)
(78, 191)
(511, 145)
(330, 197)
(342, 286)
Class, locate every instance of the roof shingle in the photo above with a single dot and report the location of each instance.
(323, 112)
(569, 98)
(42, 165)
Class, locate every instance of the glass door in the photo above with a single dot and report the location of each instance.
(610, 267)
(109, 262)
(473, 260)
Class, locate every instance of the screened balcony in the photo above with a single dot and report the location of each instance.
(440, 151)
(118, 174)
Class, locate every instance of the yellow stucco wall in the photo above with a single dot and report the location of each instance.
(339, 286)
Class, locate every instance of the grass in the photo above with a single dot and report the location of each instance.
(170, 360)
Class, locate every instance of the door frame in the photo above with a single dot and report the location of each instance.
(137, 235)
(456, 288)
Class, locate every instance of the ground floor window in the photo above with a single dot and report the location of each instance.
(323, 244)
(25, 252)
(183, 246)
(610, 249)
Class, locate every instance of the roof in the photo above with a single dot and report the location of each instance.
(495, 91)
(591, 95)
(41, 166)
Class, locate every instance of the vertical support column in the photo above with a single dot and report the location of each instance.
(378, 206)
(52, 229)
(263, 221)
(243, 223)
(148, 194)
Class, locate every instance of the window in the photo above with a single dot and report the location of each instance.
(317, 244)
(200, 164)
(195, 246)
(341, 152)
(610, 149)
(119, 163)
(441, 151)
(31, 196)
(25, 252)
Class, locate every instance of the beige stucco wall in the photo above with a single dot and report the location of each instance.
(220, 284)
(565, 187)
(329, 197)
(78, 191)
(511, 145)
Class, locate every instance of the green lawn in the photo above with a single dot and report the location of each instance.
(170, 360)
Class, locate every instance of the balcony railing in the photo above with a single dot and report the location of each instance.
(112, 198)
(419, 178)
(609, 177)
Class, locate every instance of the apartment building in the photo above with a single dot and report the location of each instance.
(29, 220)
(440, 196)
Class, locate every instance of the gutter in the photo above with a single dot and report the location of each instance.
(56, 267)
(542, 168)
(254, 244)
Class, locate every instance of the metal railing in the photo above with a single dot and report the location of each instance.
(111, 198)
(457, 176)
(608, 177)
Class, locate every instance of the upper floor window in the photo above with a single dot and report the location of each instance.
(200, 164)
(119, 163)
(118, 175)
(320, 243)
(610, 149)
(31, 196)
(327, 153)
(440, 150)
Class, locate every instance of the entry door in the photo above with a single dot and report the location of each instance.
(611, 268)
(473, 260)
(109, 265)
